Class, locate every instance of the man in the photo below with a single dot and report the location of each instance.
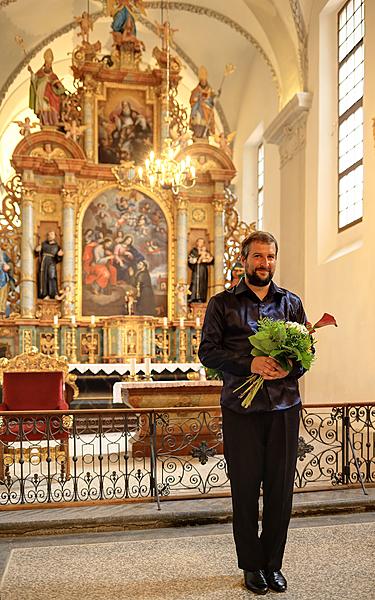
(260, 442)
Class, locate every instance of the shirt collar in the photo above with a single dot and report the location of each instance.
(242, 287)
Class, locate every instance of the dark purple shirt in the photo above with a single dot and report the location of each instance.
(232, 316)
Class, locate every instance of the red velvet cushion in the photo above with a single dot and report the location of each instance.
(34, 391)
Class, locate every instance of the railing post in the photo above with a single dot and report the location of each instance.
(153, 456)
(345, 453)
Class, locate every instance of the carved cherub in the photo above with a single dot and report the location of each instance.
(85, 22)
(26, 126)
(225, 142)
(73, 130)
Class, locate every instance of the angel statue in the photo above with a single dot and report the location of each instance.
(26, 126)
(85, 23)
(225, 142)
(73, 130)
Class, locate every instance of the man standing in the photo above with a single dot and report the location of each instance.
(260, 442)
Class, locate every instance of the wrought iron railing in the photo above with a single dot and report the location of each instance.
(132, 455)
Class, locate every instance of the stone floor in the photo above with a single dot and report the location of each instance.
(327, 558)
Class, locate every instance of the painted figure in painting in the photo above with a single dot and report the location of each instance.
(46, 91)
(198, 260)
(50, 254)
(6, 280)
(124, 255)
(126, 135)
(202, 119)
(145, 294)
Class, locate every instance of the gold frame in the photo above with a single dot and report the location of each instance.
(167, 208)
(151, 99)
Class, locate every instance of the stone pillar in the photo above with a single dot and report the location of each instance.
(181, 257)
(69, 238)
(218, 204)
(88, 108)
(28, 277)
(288, 131)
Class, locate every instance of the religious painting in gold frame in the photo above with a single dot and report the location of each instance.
(125, 255)
(126, 123)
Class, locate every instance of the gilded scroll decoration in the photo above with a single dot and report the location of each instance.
(10, 237)
(234, 232)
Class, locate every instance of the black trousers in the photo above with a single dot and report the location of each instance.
(261, 448)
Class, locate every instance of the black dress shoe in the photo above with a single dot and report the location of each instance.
(256, 581)
(276, 581)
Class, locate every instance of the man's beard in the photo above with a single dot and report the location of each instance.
(254, 279)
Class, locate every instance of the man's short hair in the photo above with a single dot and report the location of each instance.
(257, 236)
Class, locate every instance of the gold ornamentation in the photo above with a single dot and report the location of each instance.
(46, 309)
(234, 232)
(47, 343)
(27, 337)
(34, 361)
(48, 206)
(198, 215)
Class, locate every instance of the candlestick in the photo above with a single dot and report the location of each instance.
(165, 340)
(148, 368)
(133, 364)
(73, 342)
(182, 345)
(92, 341)
(56, 336)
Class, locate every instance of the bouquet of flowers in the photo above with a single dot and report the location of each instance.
(285, 341)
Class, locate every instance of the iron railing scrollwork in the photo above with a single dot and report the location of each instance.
(131, 455)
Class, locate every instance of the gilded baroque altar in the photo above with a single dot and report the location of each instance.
(122, 267)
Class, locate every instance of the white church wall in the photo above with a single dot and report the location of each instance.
(338, 265)
(259, 106)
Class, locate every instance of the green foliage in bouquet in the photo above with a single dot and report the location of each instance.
(287, 342)
(284, 341)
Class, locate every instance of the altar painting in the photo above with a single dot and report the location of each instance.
(124, 255)
(125, 126)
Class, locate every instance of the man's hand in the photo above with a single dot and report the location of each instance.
(267, 367)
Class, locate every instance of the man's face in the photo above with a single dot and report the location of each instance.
(260, 264)
(51, 236)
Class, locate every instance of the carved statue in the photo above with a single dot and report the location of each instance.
(198, 260)
(26, 126)
(45, 92)
(202, 120)
(85, 23)
(6, 280)
(129, 302)
(50, 254)
(225, 142)
(73, 130)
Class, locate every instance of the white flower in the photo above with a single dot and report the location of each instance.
(298, 326)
